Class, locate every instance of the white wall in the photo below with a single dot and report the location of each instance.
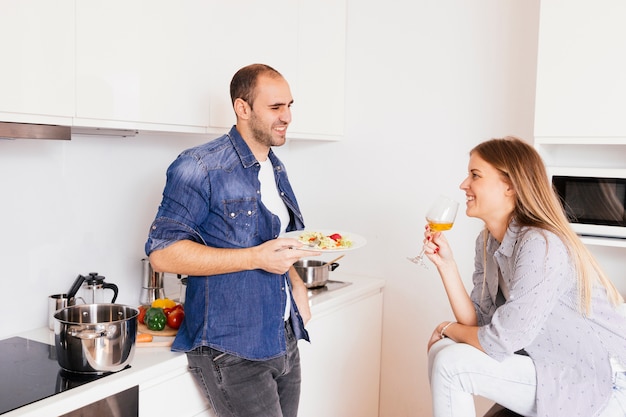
(425, 82)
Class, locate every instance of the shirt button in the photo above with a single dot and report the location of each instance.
(249, 213)
(232, 215)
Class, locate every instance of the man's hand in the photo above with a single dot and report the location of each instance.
(278, 255)
(300, 294)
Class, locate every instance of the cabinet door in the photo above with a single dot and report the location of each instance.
(246, 32)
(303, 40)
(178, 395)
(37, 43)
(341, 365)
(143, 64)
(581, 65)
(320, 86)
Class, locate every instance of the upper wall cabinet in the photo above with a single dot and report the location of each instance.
(37, 39)
(303, 40)
(166, 66)
(245, 38)
(143, 64)
(581, 77)
(320, 83)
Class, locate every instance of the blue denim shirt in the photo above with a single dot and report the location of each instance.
(212, 196)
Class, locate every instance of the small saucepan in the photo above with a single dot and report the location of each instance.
(314, 273)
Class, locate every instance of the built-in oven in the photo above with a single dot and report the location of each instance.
(121, 404)
(594, 199)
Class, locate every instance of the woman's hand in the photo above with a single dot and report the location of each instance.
(436, 336)
(436, 248)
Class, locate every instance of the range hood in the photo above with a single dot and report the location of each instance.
(10, 130)
(100, 131)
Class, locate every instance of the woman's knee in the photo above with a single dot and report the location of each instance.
(450, 357)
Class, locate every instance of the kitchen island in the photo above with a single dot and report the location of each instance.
(342, 364)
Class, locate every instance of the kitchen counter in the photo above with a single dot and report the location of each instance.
(154, 366)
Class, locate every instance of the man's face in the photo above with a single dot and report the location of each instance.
(271, 111)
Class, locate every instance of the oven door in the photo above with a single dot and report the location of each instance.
(122, 404)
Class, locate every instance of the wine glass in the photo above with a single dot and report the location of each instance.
(440, 216)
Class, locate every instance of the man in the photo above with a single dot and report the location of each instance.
(224, 205)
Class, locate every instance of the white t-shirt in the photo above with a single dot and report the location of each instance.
(270, 196)
(274, 203)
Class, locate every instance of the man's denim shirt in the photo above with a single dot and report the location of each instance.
(212, 196)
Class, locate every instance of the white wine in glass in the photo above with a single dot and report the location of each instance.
(440, 217)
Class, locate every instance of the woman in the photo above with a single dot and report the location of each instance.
(541, 332)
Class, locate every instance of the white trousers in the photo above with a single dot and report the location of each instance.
(459, 371)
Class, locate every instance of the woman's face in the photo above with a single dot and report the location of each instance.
(488, 196)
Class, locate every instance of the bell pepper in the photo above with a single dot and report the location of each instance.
(175, 318)
(155, 318)
(169, 310)
(163, 303)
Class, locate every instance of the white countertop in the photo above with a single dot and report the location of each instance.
(154, 365)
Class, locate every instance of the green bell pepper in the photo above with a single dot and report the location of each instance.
(155, 318)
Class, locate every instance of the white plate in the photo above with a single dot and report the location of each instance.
(357, 240)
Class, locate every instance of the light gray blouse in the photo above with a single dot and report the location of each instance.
(570, 350)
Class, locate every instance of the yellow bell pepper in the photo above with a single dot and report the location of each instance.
(163, 303)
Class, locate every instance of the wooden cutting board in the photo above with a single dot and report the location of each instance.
(156, 342)
(167, 332)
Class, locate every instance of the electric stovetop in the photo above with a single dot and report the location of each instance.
(29, 372)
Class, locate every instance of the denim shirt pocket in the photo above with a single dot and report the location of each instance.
(242, 218)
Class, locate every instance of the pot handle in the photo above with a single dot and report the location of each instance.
(333, 266)
(86, 334)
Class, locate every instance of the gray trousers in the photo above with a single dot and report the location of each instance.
(238, 387)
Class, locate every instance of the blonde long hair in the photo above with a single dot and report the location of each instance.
(537, 205)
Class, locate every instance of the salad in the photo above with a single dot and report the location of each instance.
(322, 241)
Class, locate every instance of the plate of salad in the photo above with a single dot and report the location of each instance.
(328, 240)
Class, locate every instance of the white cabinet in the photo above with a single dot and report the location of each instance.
(341, 365)
(305, 41)
(320, 83)
(173, 394)
(166, 66)
(581, 85)
(143, 64)
(581, 81)
(37, 43)
(246, 38)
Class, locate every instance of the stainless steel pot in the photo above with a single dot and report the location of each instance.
(95, 338)
(314, 273)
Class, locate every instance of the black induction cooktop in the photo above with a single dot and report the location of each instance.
(29, 372)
